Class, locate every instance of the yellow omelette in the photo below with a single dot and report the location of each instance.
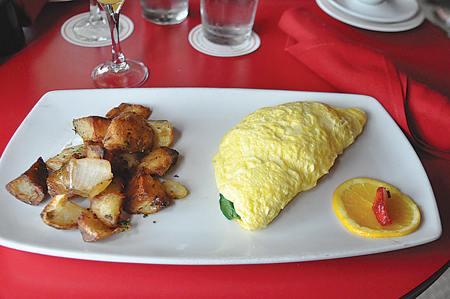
(276, 152)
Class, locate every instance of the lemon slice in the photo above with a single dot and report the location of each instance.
(353, 200)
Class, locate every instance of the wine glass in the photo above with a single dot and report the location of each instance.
(93, 28)
(117, 72)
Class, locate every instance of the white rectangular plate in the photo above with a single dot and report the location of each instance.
(193, 230)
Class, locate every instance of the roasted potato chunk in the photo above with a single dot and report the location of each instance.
(163, 132)
(129, 132)
(61, 213)
(124, 107)
(159, 161)
(58, 182)
(107, 205)
(144, 195)
(94, 150)
(73, 152)
(31, 186)
(174, 190)
(123, 162)
(91, 128)
(93, 229)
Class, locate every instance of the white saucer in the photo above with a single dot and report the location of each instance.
(389, 11)
(199, 42)
(369, 25)
(126, 28)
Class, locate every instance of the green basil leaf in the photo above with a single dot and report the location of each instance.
(227, 208)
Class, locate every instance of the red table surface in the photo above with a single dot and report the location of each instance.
(48, 63)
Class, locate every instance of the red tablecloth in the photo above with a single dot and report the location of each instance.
(50, 63)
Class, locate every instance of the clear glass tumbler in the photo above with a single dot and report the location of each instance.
(228, 22)
(165, 12)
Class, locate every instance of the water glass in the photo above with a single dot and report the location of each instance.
(228, 22)
(165, 12)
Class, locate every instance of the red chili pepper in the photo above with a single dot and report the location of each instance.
(379, 207)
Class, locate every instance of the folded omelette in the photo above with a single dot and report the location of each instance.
(276, 152)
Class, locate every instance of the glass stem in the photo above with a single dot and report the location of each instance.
(118, 59)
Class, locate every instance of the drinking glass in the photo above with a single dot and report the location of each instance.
(228, 22)
(93, 28)
(117, 72)
(165, 12)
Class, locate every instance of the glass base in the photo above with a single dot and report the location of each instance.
(134, 75)
(165, 16)
(95, 31)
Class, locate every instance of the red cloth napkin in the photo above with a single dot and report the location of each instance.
(422, 113)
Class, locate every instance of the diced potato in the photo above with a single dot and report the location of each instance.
(159, 161)
(93, 229)
(175, 190)
(91, 128)
(107, 205)
(163, 132)
(144, 194)
(73, 152)
(61, 213)
(94, 150)
(129, 132)
(58, 182)
(123, 163)
(31, 186)
(124, 107)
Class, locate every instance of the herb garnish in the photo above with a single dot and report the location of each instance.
(227, 208)
(125, 223)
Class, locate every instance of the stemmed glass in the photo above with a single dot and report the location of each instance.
(93, 28)
(117, 72)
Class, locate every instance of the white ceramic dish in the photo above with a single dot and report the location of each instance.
(389, 11)
(336, 13)
(193, 230)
